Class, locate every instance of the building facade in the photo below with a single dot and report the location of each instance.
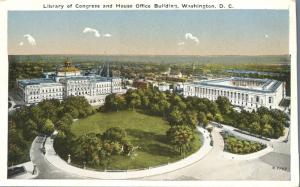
(247, 93)
(69, 82)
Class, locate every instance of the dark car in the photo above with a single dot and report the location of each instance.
(15, 171)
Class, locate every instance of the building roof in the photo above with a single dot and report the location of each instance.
(27, 82)
(239, 83)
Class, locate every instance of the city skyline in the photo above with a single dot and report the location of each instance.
(243, 32)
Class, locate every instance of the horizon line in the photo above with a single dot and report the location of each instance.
(78, 54)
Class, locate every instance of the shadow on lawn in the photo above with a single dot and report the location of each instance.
(149, 146)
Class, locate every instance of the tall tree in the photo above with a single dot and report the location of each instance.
(181, 138)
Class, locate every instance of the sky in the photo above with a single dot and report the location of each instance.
(214, 32)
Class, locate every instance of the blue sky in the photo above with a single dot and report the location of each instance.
(222, 32)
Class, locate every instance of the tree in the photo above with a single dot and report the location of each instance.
(164, 105)
(61, 125)
(219, 118)
(16, 145)
(114, 102)
(112, 147)
(213, 108)
(73, 111)
(224, 105)
(89, 148)
(180, 137)
(191, 118)
(30, 129)
(114, 134)
(267, 130)
(133, 100)
(254, 127)
(175, 117)
(202, 118)
(209, 116)
(48, 127)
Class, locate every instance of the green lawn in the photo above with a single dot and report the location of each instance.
(147, 132)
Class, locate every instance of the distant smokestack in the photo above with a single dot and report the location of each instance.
(107, 74)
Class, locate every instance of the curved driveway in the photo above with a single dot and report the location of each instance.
(45, 169)
(213, 166)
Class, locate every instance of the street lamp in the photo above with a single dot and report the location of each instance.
(69, 159)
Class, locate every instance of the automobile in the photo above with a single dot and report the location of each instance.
(17, 106)
(15, 171)
(43, 150)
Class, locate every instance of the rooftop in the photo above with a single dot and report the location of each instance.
(27, 82)
(261, 85)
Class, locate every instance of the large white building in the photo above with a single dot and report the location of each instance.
(69, 82)
(247, 93)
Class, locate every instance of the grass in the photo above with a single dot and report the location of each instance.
(147, 132)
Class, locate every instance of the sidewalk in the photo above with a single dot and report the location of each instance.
(63, 165)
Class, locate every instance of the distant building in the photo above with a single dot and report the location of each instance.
(172, 73)
(243, 92)
(68, 81)
(175, 74)
(140, 84)
(163, 86)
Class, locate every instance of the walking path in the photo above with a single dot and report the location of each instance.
(56, 161)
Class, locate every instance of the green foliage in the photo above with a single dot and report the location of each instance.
(30, 130)
(114, 102)
(238, 146)
(48, 127)
(114, 134)
(218, 118)
(181, 137)
(96, 149)
(145, 143)
(264, 122)
(43, 118)
(18, 147)
(224, 105)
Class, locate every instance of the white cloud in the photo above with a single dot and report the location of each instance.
(91, 30)
(107, 35)
(30, 39)
(189, 36)
(21, 44)
(180, 43)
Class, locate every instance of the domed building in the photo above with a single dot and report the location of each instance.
(68, 70)
(68, 81)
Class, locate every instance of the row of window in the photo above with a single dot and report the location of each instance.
(46, 91)
(228, 94)
(46, 96)
(215, 92)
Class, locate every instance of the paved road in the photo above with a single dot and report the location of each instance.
(212, 167)
(279, 157)
(215, 167)
(46, 169)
